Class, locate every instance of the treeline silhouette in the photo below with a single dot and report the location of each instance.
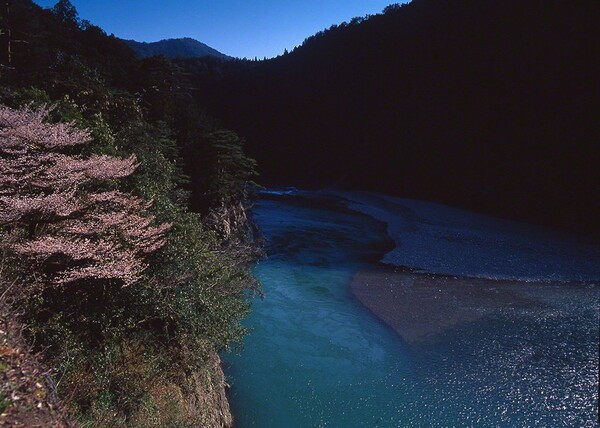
(493, 106)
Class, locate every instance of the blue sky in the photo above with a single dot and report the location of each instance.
(242, 28)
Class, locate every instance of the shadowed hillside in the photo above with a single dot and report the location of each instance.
(489, 105)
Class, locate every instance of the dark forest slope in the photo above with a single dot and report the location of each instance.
(489, 105)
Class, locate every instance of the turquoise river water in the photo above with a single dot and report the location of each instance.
(317, 358)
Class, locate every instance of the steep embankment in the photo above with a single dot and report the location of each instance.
(200, 400)
(27, 393)
(126, 291)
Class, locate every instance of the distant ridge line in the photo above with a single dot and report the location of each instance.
(185, 47)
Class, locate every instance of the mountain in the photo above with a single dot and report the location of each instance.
(491, 106)
(174, 48)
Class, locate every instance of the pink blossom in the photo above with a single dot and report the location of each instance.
(57, 200)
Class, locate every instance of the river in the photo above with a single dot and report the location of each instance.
(317, 357)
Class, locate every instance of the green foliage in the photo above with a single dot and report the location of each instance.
(114, 347)
(230, 170)
(66, 12)
(5, 402)
(110, 343)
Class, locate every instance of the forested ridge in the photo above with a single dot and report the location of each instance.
(489, 105)
(126, 235)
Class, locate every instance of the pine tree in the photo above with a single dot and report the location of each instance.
(66, 12)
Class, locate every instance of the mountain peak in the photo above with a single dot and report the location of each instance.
(185, 47)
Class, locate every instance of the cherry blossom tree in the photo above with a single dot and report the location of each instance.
(61, 213)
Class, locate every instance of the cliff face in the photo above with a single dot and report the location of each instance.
(210, 396)
(199, 400)
(28, 396)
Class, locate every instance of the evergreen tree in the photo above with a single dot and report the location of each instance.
(66, 12)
